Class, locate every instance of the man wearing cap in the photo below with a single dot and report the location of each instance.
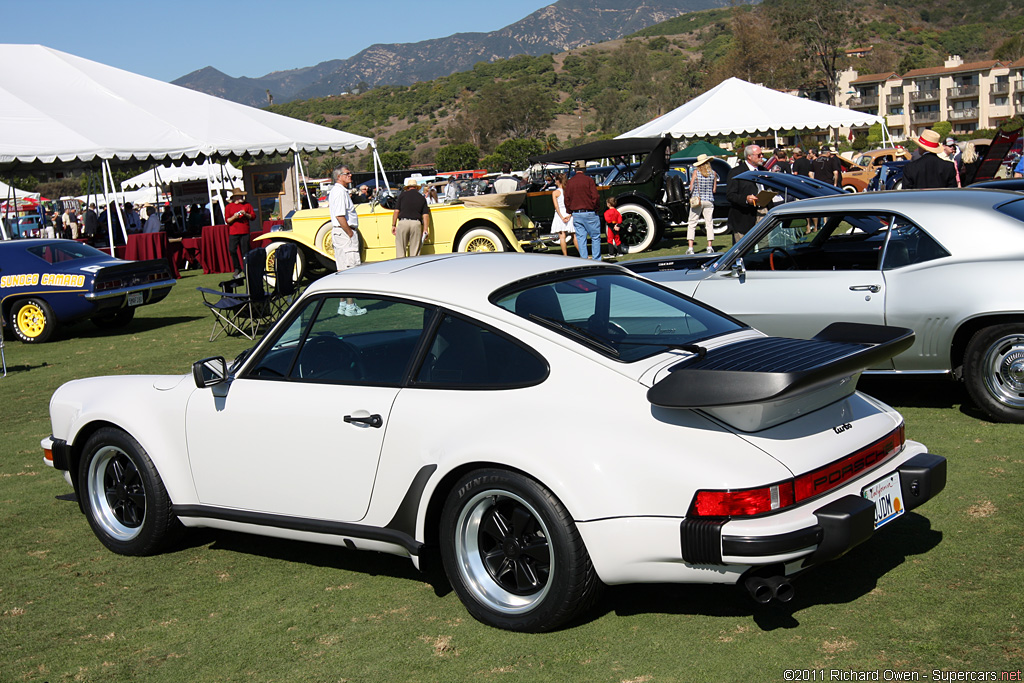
(801, 164)
(410, 221)
(825, 167)
(581, 201)
(237, 214)
(929, 169)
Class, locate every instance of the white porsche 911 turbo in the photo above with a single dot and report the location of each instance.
(691, 448)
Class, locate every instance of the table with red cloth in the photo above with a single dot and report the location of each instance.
(153, 245)
(213, 248)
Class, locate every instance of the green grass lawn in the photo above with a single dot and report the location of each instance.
(938, 590)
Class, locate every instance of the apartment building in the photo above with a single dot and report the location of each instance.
(969, 95)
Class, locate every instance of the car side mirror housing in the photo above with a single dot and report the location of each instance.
(209, 371)
(738, 268)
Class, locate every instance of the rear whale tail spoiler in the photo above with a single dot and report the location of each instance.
(774, 369)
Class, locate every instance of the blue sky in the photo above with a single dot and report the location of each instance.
(166, 40)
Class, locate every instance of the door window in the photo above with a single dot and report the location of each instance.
(324, 345)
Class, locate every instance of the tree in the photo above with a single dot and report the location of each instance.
(457, 157)
(821, 28)
(393, 161)
(515, 152)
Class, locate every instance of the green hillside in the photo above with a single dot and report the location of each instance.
(605, 89)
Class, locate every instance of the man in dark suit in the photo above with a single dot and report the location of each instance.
(929, 169)
(742, 194)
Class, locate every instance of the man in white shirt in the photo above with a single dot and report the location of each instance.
(344, 231)
(506, 182)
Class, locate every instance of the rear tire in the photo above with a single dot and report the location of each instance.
(639, 228)
(994, 371)
(33, 321)
(513, 554)
(481, 240)
(122, 495)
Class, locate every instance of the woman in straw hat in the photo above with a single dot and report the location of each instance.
(702, 201)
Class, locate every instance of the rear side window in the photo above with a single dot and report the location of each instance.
(1014, 209)
(466, 355)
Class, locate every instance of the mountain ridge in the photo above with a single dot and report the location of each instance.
(561, 26)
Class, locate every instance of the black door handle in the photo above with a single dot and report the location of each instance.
(373, 420)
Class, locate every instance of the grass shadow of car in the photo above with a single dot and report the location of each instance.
(317, 555)
(921, 391)
(141, 324)
(844, 580)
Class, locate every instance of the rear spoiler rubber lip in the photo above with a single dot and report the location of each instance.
(697, 388)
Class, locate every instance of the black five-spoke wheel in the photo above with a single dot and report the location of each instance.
(124, 499)
(513, 554)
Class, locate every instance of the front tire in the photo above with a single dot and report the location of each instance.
(513, 554)
(123, 497)
(639, 229)
(994, 371)
(34, 321)
(481, 240)
(300, 264)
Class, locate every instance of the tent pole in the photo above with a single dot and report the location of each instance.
(3, 226)
(118, 203)
(107, 203)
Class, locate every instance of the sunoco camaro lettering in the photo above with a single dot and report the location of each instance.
(47, 284)
(725, 464)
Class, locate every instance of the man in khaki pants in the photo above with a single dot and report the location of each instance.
(410, 221)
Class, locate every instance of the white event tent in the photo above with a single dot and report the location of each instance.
(735, 106)
(56, 107)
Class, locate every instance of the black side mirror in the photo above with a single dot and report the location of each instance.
(209, 371)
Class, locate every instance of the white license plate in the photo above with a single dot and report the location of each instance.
(134, 298)
(887, 496)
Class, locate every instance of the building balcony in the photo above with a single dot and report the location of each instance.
(896, 98)
(924, 95)
(1000, 88)
(864, 101)
(924, 117)
(1018, 85)
(966, 114)
(961, 91)
(1018, 108)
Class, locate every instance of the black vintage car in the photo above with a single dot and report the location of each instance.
(649, 198)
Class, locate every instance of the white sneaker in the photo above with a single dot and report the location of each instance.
(689, 251)
(353, 309)
(342, 308)
(710, 249)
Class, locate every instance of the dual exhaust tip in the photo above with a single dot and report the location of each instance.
(765, 589)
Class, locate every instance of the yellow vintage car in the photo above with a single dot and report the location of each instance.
(484, 223)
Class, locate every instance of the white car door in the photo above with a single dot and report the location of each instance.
(794, 282)
(299, 433)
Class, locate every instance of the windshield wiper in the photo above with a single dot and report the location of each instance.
(578, 333)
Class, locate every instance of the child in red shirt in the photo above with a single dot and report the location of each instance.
(614, 220)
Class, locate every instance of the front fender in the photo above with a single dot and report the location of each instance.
(148, 407)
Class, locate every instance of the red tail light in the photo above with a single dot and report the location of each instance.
(783, 494)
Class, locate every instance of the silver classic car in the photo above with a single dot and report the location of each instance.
(944, 263)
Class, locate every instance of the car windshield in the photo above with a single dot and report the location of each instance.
(616, 314)
(67, 250)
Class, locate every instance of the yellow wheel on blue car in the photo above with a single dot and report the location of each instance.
(34, 321)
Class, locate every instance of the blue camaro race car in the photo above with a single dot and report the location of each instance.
(47, 283)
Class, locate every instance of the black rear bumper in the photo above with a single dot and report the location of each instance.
(841, 525)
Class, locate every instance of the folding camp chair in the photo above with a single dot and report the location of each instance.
(284, 278)
(241, 312)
